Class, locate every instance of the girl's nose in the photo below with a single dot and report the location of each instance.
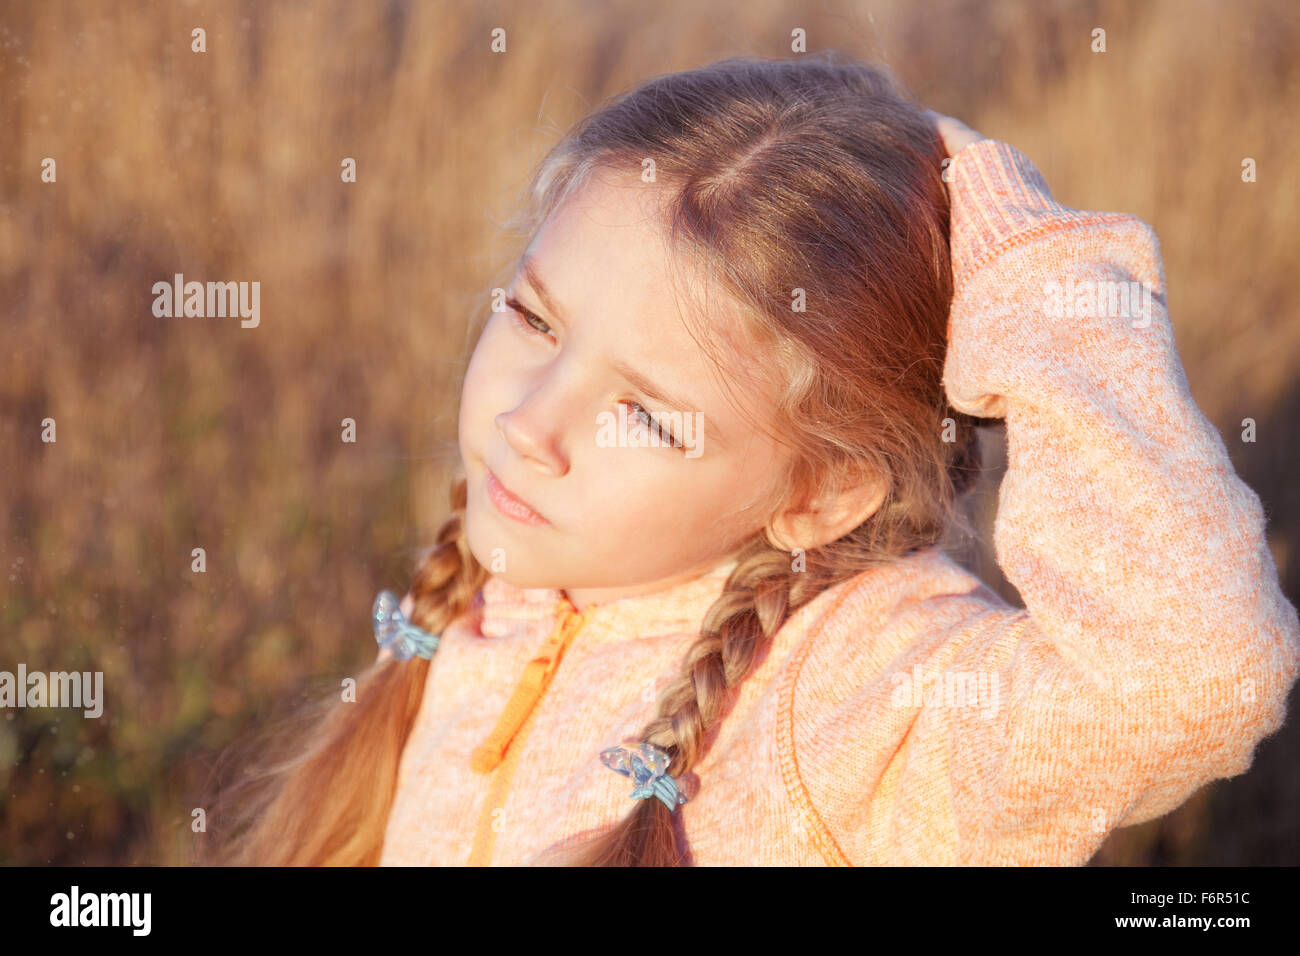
(532, 441)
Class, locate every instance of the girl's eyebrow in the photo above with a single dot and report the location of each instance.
(528, 268)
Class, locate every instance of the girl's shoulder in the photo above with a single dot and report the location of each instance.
(855, 637)
(927, 590)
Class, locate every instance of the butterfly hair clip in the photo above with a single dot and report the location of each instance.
(648, 767)
(396, 634)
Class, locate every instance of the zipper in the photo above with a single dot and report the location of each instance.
(499, 753)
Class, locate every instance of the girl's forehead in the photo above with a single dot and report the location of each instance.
(608, 243)
(619, 228)
(602, 267)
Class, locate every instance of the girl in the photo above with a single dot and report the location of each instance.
(710, 438)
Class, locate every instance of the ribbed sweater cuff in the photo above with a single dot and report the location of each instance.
(997, 194)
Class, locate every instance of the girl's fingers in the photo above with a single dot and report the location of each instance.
(954, 133)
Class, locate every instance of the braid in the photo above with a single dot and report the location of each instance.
(759, 596)
(738, 626)
(325, 797)
(449, 576)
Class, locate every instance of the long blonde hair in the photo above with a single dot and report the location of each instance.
(779, 175)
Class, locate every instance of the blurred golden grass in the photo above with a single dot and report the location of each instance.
(183, 433)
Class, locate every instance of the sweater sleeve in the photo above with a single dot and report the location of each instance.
(1155, 648)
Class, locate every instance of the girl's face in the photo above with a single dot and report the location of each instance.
(555, 406)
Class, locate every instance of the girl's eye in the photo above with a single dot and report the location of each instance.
(526, 320)
(645, 418)
(529, 322)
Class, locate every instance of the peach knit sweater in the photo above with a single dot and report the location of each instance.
(909, 715)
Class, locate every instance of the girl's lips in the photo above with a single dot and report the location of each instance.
(509, 505)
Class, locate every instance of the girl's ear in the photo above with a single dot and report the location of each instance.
(825, 520)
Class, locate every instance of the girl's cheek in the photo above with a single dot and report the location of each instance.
(489, 374)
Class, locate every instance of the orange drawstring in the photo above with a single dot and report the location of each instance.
(514, 720)
(537, 675)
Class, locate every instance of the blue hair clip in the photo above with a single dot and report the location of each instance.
(648, 766)
(398, 635)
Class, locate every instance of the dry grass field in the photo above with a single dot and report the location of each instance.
(174, 434)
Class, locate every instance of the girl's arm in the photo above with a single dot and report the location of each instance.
(1156, 648)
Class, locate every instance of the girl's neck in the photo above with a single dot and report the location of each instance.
(580, 598)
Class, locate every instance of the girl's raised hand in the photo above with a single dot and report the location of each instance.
(955, 135)
(954, 132)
